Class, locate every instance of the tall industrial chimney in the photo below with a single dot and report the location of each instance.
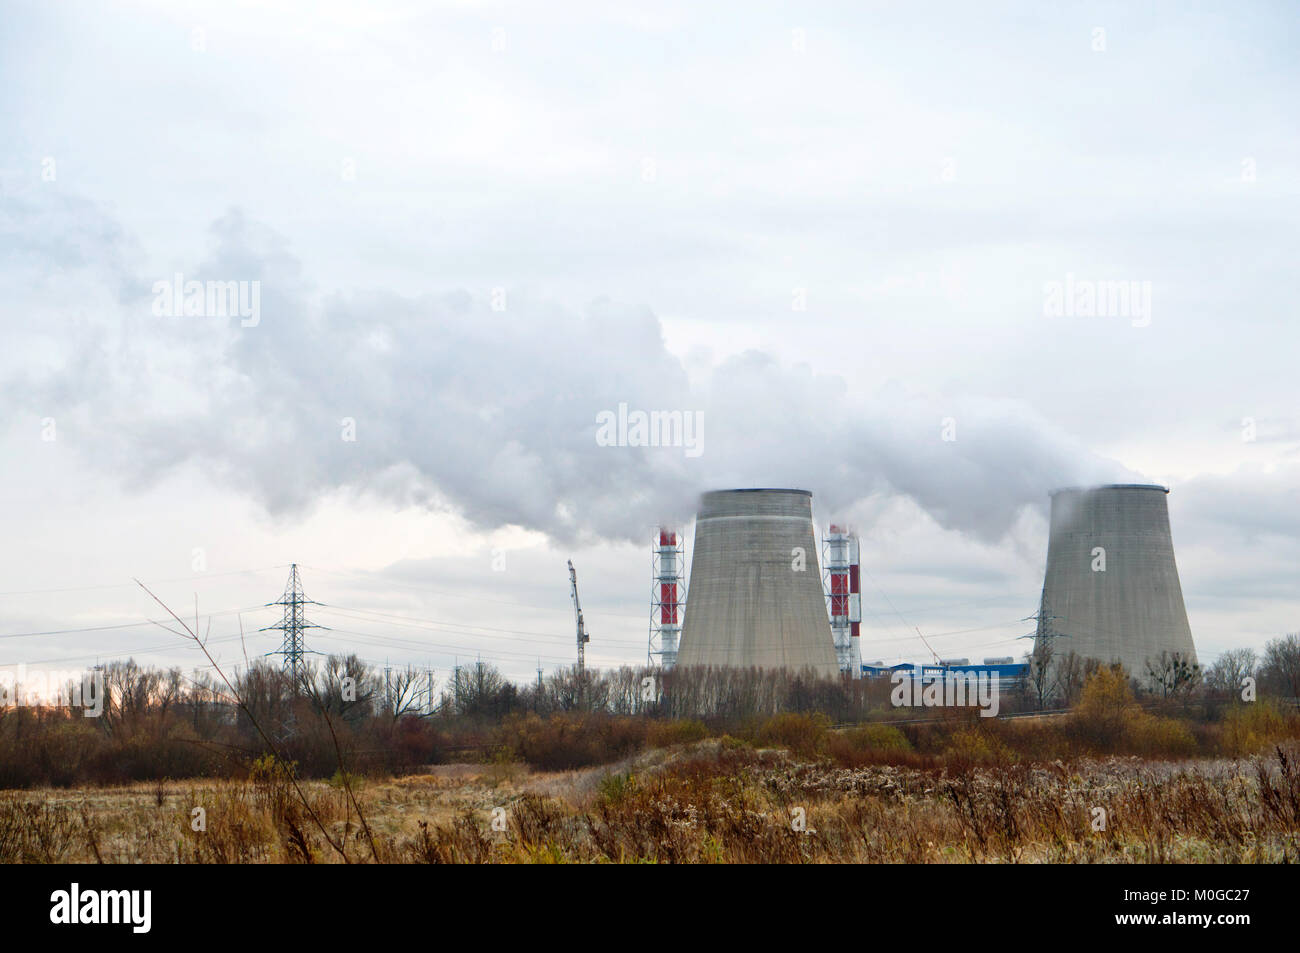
(844, 601)
(666, 599)
(1111, 590)
(756, 594)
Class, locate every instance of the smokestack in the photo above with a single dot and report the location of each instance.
(1112, 584)
(666, 599)
(844, 602)
(756, 594)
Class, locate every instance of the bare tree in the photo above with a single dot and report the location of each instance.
(1172, 675)
(626, 689)
(1071, 672)
(1230, 669)
(268, 694)
(1041, 678)
(571, 690)
(480, 690)
(345, 686)
(169, 693)
(128, 693)
(1281, 665)
(402, 690)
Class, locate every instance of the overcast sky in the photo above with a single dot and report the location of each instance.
(829, 233)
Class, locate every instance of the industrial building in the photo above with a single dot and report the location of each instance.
(1009, 673)
(1111, 589)
(755, 593)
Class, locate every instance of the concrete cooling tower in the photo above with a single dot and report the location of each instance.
(748, 603)
(1111, 584)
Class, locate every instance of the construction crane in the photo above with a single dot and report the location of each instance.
(583, 637)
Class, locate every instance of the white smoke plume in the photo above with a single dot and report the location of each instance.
(453, 403)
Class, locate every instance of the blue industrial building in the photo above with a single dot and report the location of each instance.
(1009, 673)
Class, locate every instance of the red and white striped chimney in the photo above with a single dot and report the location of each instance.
(666, 600)
(844, 599)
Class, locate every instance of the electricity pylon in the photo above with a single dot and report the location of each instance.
(294, 622)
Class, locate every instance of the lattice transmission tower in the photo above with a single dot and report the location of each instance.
(292, 625)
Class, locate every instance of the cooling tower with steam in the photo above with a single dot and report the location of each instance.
(1111, 584)
(755, 595)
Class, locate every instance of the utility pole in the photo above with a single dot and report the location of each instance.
(292, 625)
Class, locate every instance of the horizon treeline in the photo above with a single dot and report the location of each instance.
(345, 715)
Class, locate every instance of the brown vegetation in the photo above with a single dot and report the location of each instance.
(717, 801)
(155, 727)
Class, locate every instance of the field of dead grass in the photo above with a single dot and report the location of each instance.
(709, 802)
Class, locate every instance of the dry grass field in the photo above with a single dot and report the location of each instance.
(709, 802)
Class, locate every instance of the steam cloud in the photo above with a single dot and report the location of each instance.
(490, 413)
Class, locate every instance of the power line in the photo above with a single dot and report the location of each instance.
(897, 613)
(939, 635)
(459, 595)
(197, 577)
(146, 650)
(380, 640)
(123, 625)
(328, 607)
(368, 638)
